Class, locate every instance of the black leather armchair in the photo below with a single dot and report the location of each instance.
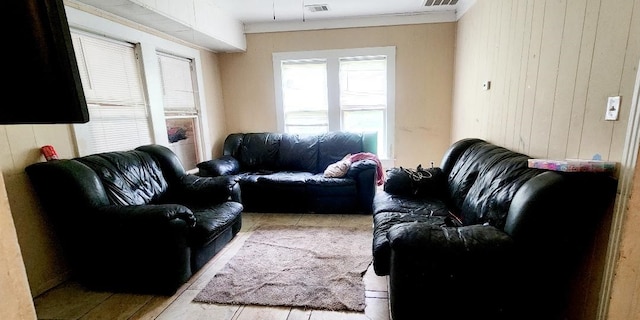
(135, 221)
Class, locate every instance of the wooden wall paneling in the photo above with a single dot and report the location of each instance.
(22, 144)
(515, 54)
(498, 98)
(532, 75)
(518, 143)
(543, 108)
(627, 80)
(493, 50)
(567, 71)
(6, 159)
(467, 56)
(488, 29)
(581, 86)
(608, 59)
(473, 115)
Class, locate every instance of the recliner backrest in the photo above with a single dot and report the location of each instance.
(129, 177)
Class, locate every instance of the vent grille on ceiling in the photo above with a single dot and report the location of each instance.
(318, 7)
(433, 3)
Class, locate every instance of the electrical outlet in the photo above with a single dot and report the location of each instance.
(613, 106)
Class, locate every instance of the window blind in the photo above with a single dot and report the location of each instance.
(181, 108)
(177, 84)
(112, 81)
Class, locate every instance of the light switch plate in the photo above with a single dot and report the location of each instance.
(613, 106)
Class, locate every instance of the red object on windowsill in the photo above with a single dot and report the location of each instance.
(49, 152)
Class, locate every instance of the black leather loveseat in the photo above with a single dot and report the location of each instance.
(134, 221)
(280, 172)
(490, 238)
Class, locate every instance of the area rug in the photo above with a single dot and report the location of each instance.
(308, 267)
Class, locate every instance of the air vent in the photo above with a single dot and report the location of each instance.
(435, 3)
(317, 7)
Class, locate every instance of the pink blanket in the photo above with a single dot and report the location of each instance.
(370, 156)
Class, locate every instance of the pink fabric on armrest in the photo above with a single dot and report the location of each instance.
(370, 156)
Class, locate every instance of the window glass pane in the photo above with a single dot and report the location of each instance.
(363, 96)
(348, 90)
(304, 96)
(182, 140)
(363, 82)
(366, 121)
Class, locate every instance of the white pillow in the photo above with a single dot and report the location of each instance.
(338, 169)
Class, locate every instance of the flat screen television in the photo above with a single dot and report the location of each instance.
(43, 82)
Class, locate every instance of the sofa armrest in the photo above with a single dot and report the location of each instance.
(141, 246)
(225, 165)
(439, 266)
(197, 190)
(144, 216)
(364, 172)
(457, 241)
(360, 166)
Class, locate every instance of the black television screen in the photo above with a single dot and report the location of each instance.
(43, 83)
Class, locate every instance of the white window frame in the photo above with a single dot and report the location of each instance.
(193, 114)
(333, 86)
(148, 46)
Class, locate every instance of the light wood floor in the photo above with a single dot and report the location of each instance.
(71, 301)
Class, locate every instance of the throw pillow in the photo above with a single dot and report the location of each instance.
(338, 169)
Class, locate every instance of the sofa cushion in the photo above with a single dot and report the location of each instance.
(332, 195)
(385, 220)
(298, 153)
(212, 221)
(259, 151)
(283, 191)
(384, 201)
(333, 146)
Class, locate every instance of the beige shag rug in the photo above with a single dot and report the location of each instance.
(306, 267)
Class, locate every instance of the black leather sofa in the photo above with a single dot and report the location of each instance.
(134, 221)
(513, 254)
(280, 172)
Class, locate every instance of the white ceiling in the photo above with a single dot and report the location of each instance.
(262, 11)
(291, 15)
(221, 25)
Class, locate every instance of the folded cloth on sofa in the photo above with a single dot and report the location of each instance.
(370, 156)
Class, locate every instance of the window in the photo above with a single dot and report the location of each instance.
(112, 82)
(180, 108)
(331, 90)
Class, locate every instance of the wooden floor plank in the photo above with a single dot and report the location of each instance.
(72, 301)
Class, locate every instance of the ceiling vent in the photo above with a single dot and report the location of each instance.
(435, 3)
(318, 7)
